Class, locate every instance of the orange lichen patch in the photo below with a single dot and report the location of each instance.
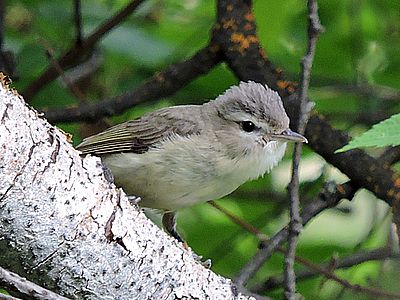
(397, 182)
(340, 188)
(248, 26)
(229, 8)
(226, 24)
(287, 85)
(282, 84)
(5, 81)
(243, 41)
(249, 17)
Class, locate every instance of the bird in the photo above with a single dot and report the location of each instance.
(178, 156)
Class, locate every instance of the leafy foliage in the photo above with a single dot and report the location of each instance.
(385, 133)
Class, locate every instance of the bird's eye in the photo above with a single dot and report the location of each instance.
(247, 126)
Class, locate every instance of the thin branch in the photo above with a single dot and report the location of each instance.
(295, 226)
(8, 297)
(326, 269)
(329, 197)
(245, 225)
(72, 56)
(78, 21)
(2, 15)
(160, 85)
(20, 285)
(344, 263)
(71, 86)
(366, 90)
(353, 287)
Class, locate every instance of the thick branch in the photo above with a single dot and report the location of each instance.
(64, 226)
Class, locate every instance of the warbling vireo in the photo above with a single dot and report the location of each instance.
(182, 155)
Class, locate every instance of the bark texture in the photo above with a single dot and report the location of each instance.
(65, 227)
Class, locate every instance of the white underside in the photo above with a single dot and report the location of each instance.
(184, 172)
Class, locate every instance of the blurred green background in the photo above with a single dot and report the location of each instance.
(355, 83)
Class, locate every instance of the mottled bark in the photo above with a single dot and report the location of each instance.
(66, 228)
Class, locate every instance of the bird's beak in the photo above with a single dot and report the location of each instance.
(288, 135)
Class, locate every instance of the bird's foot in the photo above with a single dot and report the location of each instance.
(134, 200)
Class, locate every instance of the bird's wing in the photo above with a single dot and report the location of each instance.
(139, 135)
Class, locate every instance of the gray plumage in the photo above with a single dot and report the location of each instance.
(179, 156)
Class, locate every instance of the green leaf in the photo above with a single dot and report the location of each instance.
(385, 133)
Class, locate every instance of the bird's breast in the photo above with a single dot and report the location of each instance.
(187, 171)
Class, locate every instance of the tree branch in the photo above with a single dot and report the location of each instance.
(344, 263)
(160, 85)
(64, 226)
(78, 21)
(236, 33)
(14, 282)
(329, 197)
(79, 50)
(295, 226)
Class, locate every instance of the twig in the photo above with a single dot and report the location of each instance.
(329, 197)
(344, 263)
(2, 15)
(73, 55)
(355, 287)
(247, 226)
(366, 90)
(314, 269)
(71, 86)
(20, 285)
(8, 297)
(295, 226)
(78, 21)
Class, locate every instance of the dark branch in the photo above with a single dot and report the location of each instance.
(344, 263)
(314, 29)
(78, 51)
(329, 197)
(78, 21)
(235, 32)
(160, 85)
